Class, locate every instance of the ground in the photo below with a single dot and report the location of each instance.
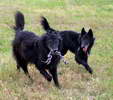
(76, 82)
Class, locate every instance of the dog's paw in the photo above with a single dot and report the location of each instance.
(90, 71)
(58, 86)
(49, 78)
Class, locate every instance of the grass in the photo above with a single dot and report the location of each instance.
(76, 82)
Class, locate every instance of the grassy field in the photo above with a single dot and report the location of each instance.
(76, 82)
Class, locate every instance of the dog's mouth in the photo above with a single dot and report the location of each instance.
(85, 49)
(51, 54)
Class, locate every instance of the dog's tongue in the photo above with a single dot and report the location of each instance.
(85, 49)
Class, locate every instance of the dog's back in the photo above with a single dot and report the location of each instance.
(72, 41)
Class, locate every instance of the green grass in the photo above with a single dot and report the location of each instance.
(76, 82)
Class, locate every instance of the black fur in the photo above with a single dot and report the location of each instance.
(30, 48)
(78, 43)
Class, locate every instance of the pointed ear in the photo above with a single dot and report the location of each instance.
(90, 33)
(83, 32)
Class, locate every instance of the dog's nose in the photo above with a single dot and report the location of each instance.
(82, 46)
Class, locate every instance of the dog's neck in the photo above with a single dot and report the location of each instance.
(74, 45)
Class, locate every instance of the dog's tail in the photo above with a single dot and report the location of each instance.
(19, 21)
(45, 24)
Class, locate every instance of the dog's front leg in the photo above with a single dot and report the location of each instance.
(45, 74)
(53, 72)
(87, 67)
(84, 63)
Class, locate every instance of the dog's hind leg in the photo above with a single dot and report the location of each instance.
(18, 67)
(17, 58)
(21, 63)
(53, 72)
(18, 61)
(25, 69)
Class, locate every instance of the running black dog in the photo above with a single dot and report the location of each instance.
(42, 51)
(78, 43)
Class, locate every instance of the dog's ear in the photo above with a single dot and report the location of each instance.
(83, 32)
(90, 33)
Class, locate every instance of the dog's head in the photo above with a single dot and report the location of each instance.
(53, 41)
(86, 40)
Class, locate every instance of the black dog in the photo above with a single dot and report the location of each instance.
(78, 43)
(42, 51)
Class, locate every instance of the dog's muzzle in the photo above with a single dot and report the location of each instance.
(85, 49)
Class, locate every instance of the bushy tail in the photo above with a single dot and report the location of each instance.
(45, 24)
(19, 21)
